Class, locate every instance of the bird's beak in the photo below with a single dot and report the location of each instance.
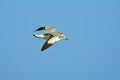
(66, 38)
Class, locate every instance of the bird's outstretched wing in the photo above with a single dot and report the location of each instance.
(46, 29)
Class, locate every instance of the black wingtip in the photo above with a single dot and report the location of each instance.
(41, 28)
(33, 34)
(42, 50)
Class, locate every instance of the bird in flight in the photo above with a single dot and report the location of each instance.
(50, 36)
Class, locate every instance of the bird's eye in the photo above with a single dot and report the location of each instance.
(60, 36)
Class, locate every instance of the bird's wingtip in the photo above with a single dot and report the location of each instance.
(42, 50)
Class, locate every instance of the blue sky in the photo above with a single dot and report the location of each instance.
(91, 53)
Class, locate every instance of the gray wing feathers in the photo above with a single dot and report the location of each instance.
(49, 29)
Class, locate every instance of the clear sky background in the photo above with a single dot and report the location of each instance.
(91, 53)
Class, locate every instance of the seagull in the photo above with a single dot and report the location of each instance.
(50, 36)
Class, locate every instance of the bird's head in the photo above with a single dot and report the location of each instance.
(63, 37)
